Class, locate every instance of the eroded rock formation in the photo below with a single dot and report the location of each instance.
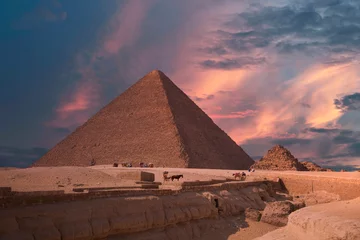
(336, 220)
(100, 218)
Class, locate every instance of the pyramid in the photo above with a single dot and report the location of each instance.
(152, 121)
(279, 158)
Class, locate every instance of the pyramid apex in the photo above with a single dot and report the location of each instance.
(156, 73)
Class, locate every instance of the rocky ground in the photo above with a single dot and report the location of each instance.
(249, 225)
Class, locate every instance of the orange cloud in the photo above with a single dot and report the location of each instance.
(244, 114)
(125, 27)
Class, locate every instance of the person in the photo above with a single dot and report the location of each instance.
(92, 163)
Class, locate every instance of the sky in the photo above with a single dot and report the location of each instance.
(267, 72)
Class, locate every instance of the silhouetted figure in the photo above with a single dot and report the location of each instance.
(92, 163)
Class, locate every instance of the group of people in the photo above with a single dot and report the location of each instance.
(150, 165)
(241, 176)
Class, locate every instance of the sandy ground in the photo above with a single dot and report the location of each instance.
(244, 230)
(59, 178)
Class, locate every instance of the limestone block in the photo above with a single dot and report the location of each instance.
(187, 213)
(195, 214)
(188, 230)
(47, 233)
(128, 223)
(137, 176)
(170, 216)
(196, 230)
(31, 224)
(147, 176)
(276, 213)
(176, 232)
(100, 227)
(180, 215)
(158, 217)
(18, 235)
(8, 224)
(298, 204)
(253, 214)
(76, 231)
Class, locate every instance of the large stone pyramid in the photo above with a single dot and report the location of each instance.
(152, 121)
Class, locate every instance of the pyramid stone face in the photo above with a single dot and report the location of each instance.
(279, 158)
(153, 121)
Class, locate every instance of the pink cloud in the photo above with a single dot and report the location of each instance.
(232, 115)
(126, 25)
(77, 105)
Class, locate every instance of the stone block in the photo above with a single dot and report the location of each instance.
(76, 230)
(18, 235)
(8, 224)
(47, 233)
(145, 182)
(147, 176)
(276, 213)
(32, 224)
(137, 176)
(253, 214)
(150, 186)
(100, 227)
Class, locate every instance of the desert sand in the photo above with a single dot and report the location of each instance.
(65, 178)
(55, 178)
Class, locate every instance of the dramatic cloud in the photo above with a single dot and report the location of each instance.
(229, 64)
(209, 97)
(234, 115)
(80, 103)
(267, 72)
(348, 102)
(329, 30)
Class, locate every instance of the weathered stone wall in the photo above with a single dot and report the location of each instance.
(99, 218)
(11, 199)
(347, 187)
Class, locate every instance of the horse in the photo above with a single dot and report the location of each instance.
(176, 177)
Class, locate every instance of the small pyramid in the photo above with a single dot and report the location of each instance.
(279, 158)
(152, 121)
(310, 166)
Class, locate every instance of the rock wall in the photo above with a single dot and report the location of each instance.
(347, 187)
(336, 220)
(100, 218)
